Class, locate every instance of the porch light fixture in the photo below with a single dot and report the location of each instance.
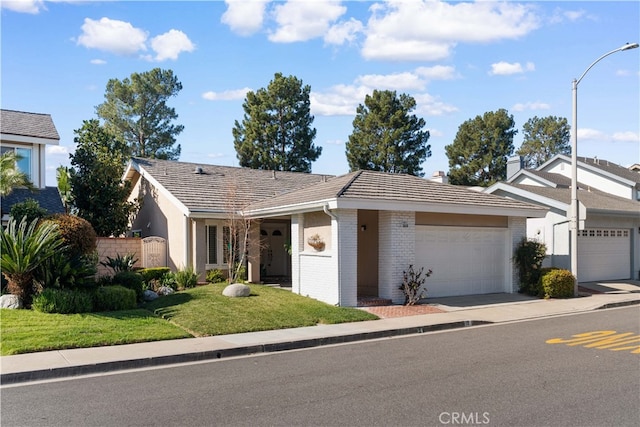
(573, 220)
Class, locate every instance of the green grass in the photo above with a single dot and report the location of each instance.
(26, 331)
(200, 311)
(205, 311)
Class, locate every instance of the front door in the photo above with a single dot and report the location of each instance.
(274, 257)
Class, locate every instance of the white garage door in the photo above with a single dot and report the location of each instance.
(464, 260)
(604, 254)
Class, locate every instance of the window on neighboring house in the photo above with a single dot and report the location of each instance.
(212, 244)
(23, 162)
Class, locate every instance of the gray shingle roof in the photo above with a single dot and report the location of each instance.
(219, 188)
(556, 178)
(612, 168)
(594, 199)
(20, 123)
(48, 198)
(371, 185)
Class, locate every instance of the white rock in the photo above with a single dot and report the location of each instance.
(237, 290)
(10, 301)
(165, 290)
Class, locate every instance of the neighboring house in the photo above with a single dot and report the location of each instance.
(28, 134)
(373, 225)
(609, 214)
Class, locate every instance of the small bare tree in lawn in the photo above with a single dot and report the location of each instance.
(235, 236)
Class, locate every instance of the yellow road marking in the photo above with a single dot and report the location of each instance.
(609, 340)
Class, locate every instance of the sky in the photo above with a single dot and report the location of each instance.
(457, 59)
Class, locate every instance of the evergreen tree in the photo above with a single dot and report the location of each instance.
(276, 132)
(543, 139)
(136, 110)
(386, 137)
(99, 196)
(481, 148)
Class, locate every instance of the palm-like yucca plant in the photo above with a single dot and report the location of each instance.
(23, 249)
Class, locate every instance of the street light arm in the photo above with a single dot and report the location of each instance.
(625, 47)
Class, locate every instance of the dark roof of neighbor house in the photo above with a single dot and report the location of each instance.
(48, 198)
(593, 199)
(372, 185)
(219, 188)
(33, 125)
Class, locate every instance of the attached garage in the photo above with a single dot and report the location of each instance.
(464, 260)
(604, 254)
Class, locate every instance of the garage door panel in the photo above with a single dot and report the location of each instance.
(464, 261)
(604, 254)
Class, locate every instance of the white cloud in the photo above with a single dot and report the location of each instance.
(216, 155)
(344, 99)
(573, 15)
(626, 137)
(98, 61)
(397, 81)
(304, 20)
(334, 142)
(438, 72)
(342, 32)
(591, 134)
(23, 6)
(244, 17)
(503, 68)
(429, 30)
(227, 95)
(435, 132)
(57, 149)
(171, 44)
(114, 36)
(532, 106)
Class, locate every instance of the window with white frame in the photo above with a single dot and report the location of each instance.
(23, 158)
(212, 244)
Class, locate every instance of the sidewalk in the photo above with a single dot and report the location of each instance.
(458, 312)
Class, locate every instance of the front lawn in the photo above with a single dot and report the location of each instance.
(199, 311)
(205, 311)
(27, 331)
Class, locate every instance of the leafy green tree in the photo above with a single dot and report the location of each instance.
(544, 138)
(276, 132)
(97, 167)
(481, 148)
(63, 178)
(386, 137)
(10, 176)
(136, 110)
(29, 209)
(23, 248)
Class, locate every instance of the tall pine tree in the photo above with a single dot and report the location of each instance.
(276, 132)
(386, 137)
(544, 138)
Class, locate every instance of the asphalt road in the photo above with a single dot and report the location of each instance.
(531, 373)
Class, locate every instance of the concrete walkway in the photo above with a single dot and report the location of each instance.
(458, 312)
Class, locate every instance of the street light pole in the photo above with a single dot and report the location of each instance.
(573, 219)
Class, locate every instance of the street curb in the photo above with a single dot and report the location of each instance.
(619, 304)
(98, 368)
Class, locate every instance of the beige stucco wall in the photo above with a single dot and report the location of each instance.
(160, 217)
(317, 223)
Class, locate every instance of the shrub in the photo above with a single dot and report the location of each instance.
(65, 272)
(77, 233)
(30, 209)
(186, 278)
(130, 280)
(169, 280)
(120, 263)
(528, 259)
(557, 283)
(63, 301)
(155, 273)
(215, 276)
(412, 285)
(114, 298)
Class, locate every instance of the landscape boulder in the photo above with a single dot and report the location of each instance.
(10, 301)
(165, 290)
(237, 290)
